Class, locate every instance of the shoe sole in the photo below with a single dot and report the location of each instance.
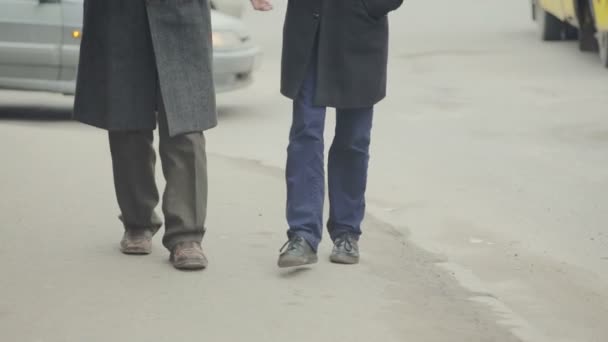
(344, 260)
(294, 263)
(135, 251)
(190, 265)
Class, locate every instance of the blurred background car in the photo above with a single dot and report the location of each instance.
(231, 7)
(40, 42)
(585, 20)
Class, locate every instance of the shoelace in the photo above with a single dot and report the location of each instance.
(346, 242)
(291, 244)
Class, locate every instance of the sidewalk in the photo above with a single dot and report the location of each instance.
(64, 280)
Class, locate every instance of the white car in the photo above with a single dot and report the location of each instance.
(40, 41)
(230, 7)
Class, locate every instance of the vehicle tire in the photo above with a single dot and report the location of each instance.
(570, 32)
(602, 38)
(586, 37)
(551, 28)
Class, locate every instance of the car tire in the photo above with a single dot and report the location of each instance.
(570, 32)
(550, 27)
(586, 38)
(602, 39)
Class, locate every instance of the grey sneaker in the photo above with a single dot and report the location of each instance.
(346, 250)
(188, 256)
(297, 252)
(137, 242)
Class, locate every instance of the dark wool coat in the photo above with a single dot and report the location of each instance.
(352, 52)
(132, 48)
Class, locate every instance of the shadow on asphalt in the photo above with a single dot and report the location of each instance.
(294, 272)
(40, 113)
(230, 112)
(34, 113)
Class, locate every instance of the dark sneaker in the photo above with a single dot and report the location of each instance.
(188, 256)
(137, 242)
(297, 252)
(346, 250)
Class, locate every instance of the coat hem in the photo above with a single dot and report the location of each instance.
(336, 104)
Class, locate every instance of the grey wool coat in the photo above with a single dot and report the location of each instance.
(352, 54)
(135, 51)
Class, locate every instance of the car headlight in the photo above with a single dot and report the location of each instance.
(226, 40)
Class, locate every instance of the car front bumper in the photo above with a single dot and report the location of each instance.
(233, 69)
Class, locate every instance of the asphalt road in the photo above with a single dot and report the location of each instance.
(486, 222)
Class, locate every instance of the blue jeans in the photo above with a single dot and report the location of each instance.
(347, 168)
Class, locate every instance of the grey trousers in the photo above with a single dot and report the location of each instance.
(184, 165)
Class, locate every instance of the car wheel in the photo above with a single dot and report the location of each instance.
(586, 37)
(571, 32)
(602, 38)
(550, 27)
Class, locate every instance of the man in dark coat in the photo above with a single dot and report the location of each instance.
(334, 55)
(143, 62)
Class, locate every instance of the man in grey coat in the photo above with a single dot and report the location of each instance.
(334, 55)
(145, 62)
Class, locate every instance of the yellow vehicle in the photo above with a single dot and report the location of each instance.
(585, 20)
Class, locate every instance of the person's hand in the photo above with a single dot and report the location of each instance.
(261, 5)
